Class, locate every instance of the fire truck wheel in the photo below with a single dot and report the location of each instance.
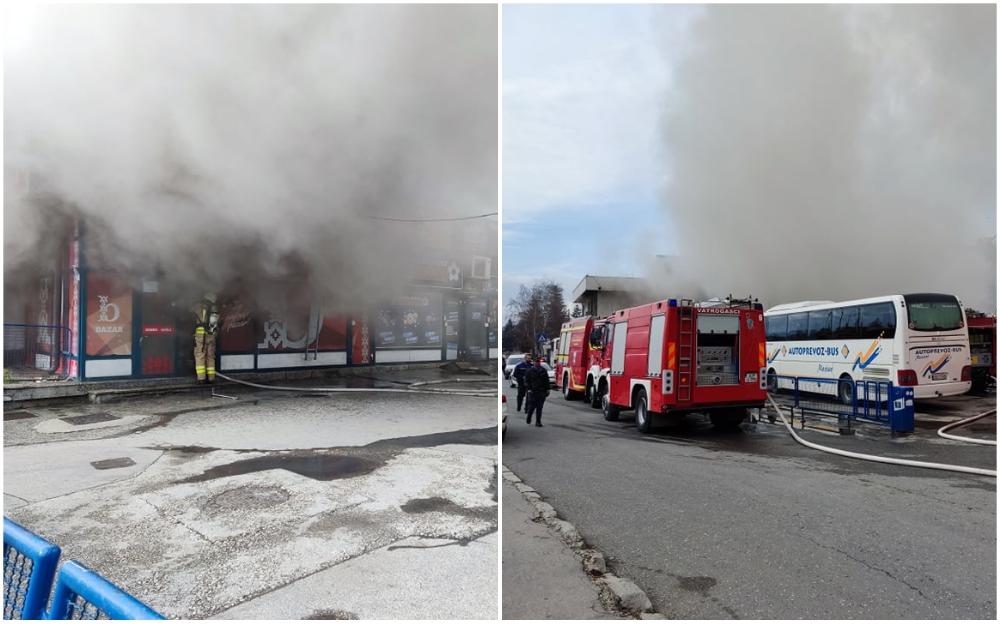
(568, 393)
(643, 421)
(727, 419)
(610, 411)
(593, 396)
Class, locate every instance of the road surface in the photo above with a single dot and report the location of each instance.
(749, 524)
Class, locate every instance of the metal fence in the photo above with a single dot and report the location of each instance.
(80, 594)
(29, 565)
(874, 401)
(41, 348)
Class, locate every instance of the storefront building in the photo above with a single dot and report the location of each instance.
(80, 321)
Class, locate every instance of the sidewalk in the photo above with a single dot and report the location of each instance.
(542, 579)
(19, 393)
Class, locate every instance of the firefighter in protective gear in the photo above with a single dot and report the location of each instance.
(205, 328)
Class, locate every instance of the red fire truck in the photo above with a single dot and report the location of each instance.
(579, 358)
(983, 347)
(677, 357)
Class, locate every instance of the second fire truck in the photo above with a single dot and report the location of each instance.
(668, 357)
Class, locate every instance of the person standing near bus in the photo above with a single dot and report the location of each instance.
(518, 373)
(537, 380)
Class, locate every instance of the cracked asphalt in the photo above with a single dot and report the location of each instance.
(749, 524)
(273, 506)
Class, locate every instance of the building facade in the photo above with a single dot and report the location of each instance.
(76, 319)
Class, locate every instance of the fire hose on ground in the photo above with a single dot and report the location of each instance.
(878, 458)
(332, 390)
(943, 430)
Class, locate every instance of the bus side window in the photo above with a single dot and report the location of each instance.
(878, 319)
(845, 323)
(798, 326)
(819, 325)
(776, 327)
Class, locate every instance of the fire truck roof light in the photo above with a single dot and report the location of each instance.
(672, 303)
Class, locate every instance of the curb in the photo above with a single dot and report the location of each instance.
(625, 594)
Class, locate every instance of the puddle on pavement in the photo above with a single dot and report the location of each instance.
(480, 437)
(700, 584)
(18, 415)
(116, 462)
(327, 464)
(89, 419)
(439, 504)
(319, 466)
(331, 615)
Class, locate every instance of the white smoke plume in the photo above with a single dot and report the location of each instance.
(820, 152)
(214, 142)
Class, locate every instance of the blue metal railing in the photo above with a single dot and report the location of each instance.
(875, 401)
(29, 565)
(80, 594)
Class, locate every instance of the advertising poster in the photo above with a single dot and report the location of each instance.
(237, 329)
(475, 329)
(109, 315)
(409, 322)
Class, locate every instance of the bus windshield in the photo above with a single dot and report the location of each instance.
(933, 312)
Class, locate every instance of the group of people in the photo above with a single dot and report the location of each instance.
(532, 386)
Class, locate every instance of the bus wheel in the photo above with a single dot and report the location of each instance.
(610, 411)
(845, 390)
(727, 419)
(643, 420)
(772, 381)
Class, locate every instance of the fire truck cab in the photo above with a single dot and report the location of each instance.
(579, 359)
(676, 357)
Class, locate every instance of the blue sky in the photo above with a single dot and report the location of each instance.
(584, 88)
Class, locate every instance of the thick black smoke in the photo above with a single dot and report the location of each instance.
(821, 152)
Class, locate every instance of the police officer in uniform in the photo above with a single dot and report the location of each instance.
(520, 370)
(537, 380)
(206, 314)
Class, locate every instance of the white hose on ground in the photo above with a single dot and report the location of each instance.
(942, 431)
(878, 458)
(337, 390)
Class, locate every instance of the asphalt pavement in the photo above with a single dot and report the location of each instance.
(750, 524)
(275, 505)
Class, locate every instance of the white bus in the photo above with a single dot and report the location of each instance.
(918, 340)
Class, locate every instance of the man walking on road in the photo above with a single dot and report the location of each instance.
(537, 380)
(518, 374)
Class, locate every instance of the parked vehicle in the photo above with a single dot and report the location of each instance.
(512, 361)
(579, 359)
(917, 340)
(552, 374)
(675, 357)
(983, 347)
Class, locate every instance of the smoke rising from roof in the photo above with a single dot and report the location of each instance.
(216, 141)
(821, 152)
